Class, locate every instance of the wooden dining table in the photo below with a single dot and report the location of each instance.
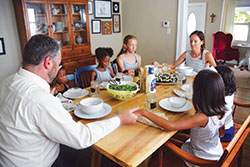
(130, 145)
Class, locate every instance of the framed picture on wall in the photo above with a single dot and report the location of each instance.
(2, 48)
(116, 7)
(106, 27)
(116, 23)
(96, 26)
(90, 6)
(102, 9)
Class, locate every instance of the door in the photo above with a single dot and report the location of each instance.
(196, 19)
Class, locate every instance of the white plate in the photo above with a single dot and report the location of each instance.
(75, 93)
(164, 103)
(192, 73)
(104, 111)
(187, 87)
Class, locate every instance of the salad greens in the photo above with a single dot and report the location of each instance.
(125, 87)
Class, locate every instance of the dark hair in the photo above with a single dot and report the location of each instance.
(201, 35)
(228, 77)
(102, 52)
(125, 41)
(209, 93)
(38, 48)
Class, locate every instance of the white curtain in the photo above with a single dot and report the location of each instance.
(227, 17)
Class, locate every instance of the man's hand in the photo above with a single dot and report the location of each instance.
(128, 117)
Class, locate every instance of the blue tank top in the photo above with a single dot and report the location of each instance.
(103, 76)
(132, 66)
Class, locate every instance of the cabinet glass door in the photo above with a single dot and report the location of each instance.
(37, 19)
(60, 24)
(79, 24)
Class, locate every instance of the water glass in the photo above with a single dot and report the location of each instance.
(165, 68)
(94, 88)
(150, 101)
(181, 79)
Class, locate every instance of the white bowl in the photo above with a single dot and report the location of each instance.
(91, 105)
(177, 102)
(185, 69)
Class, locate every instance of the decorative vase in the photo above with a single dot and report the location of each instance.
(79, 39)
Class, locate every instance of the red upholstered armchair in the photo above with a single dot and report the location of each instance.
(222, 49)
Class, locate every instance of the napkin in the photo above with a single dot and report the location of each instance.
(150, 123)
(182, 93)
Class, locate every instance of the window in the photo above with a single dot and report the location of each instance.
(241, 31)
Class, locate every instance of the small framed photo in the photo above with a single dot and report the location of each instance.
(2, 48)
(116, 7)
(106, 27)
(90, 6)
(102, 9)
(96, 26)
(116, 23)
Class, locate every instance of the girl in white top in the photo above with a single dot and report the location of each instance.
(230, 88)
(102, 72)
(128, 61)
(198, 57)
(209, 103)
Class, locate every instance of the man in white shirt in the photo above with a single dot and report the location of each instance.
(32, 121)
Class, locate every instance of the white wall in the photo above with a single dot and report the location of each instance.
(10, 62)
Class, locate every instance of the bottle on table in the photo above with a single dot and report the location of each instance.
(150, 81)
(137, 78)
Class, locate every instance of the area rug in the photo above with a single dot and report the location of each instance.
(242, 77)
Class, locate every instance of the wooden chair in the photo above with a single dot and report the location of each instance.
(232, 150)
(70, 78)
(83, 75)
(241, 99)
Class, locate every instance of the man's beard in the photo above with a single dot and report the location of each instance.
(52, 74)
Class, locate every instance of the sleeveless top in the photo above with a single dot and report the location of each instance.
(103, 76)
(132, 66)
(196, 63)
(205, 142)
(228, 114)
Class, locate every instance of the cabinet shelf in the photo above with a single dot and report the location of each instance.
(56, 15)
(60, 32)
(80, 30)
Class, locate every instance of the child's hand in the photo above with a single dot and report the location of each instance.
(53, 91)
(139, 113)
(131, 72)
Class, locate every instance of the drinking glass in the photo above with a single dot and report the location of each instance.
(181, 79)
(150, 101)
(165, 68)
(94, 88)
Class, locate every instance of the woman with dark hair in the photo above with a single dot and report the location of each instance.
(207, 123)
(198, 57)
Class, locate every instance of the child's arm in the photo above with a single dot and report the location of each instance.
(112, 73)
(120, 64)
(139, 63)
(198, 119)
(222, 131)
(93, 75)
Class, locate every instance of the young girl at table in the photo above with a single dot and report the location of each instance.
(209, 103)
(230, 88)
(128, 60)
(60, 84)
(102, 72)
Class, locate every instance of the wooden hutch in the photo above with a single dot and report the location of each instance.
(67, 21)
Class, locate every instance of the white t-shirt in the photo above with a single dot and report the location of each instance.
(33, 123)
